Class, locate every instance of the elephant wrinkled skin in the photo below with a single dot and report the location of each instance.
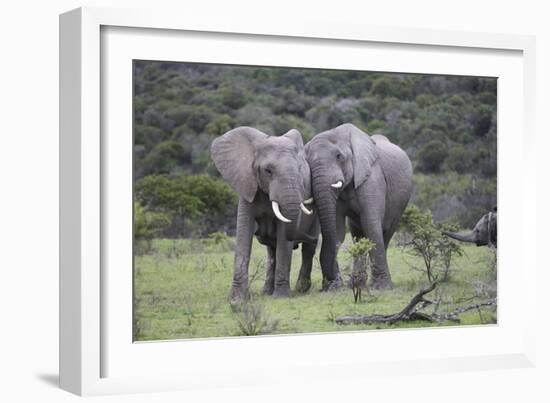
(272, 178)
(366, 179)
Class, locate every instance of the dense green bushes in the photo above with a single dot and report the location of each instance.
(192, 205)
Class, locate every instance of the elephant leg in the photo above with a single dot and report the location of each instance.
(245, 230)
(387, 234)
(340, 237)
(371, 224)
(303, 283)
(270, 271)
(283, 260)
(380, 274)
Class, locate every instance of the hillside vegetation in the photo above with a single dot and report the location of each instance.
(446, 124)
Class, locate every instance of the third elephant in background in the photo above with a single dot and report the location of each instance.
(483, 233)
(365, 178)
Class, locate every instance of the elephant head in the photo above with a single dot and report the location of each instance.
(338, 158)
(484, 232)
(251, 160)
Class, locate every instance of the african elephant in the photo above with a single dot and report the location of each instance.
(484, 232)
(366, 179)
(273, 181)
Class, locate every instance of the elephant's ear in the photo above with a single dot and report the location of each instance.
(296, 137)
(365, 154)
(233, 155)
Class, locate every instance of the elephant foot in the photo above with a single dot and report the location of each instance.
(268, 289)
(303, 285)
(238, 293)
(382, 283)
(331, 285)
(282, 291)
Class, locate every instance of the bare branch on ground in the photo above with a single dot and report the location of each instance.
(411, 313)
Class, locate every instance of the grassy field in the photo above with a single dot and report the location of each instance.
(181, 289)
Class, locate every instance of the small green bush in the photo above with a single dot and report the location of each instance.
(427, 242)
(361, 247)
(148, 224)
(252, 320)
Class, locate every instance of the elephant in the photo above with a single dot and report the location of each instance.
(366, 179)
(484, 232)
(273, 181)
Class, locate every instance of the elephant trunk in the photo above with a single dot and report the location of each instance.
(287, 199)
(469, 237)
(325, 201)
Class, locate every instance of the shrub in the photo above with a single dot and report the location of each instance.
(427, 242)
(361, 248)
(359, 252)
(148, 224)
(232, 96)
(220, 125)
(165, 156)
(194, 203)
(431, 156)
(391, 86)
(482, 119)
(459, 159)
(149, 136)
(456, 100)
(376, 125)
(252, 320)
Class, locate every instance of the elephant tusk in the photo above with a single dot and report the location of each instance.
(337, 185)
(277, 212)
(308, 201)
(305, 209)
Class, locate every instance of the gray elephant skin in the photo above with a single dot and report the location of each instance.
(273, 180)
(484, 232)
(366, 179)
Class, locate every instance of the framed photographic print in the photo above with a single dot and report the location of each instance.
(235, 202)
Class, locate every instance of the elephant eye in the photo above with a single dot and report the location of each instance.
(339, 157)
(268, 171)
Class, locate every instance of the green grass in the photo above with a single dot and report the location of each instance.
(181, 289)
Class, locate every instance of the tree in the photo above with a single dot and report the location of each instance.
(458, 159)
(165, 156)
(148, 224)
(194, 203)
(482, 119)
(427, 242)
(391, 85)
(220, 125)
(431, 156)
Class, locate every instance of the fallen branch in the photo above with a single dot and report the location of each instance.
(410, 312)
(453, 315)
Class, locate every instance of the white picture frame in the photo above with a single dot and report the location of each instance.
(86, 345)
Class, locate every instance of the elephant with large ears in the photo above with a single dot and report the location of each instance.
(273, 181)
(484, 232)
(366, 179)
